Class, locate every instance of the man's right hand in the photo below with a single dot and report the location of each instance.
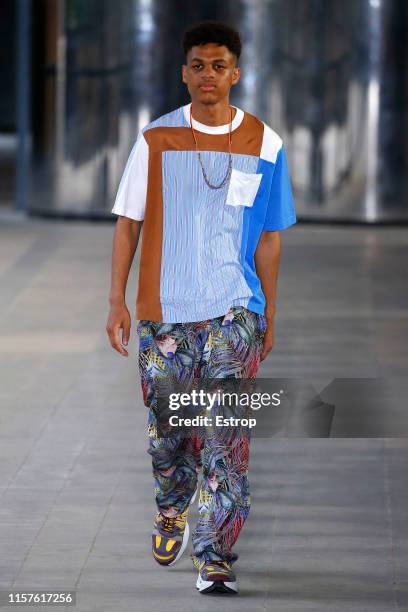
(119, 319)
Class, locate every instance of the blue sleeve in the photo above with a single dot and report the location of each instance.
(280, 212)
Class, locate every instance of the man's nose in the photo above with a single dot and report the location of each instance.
(209, 71)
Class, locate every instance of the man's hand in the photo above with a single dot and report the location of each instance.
(268, 339)
(119, 319)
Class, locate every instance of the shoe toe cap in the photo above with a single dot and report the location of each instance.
(164, 549)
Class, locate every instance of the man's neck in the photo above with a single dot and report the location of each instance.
(213, 114)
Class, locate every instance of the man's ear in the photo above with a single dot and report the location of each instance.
(236, 75)
(183, 73)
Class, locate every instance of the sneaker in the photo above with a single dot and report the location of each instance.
(170, 536)
(216, 576)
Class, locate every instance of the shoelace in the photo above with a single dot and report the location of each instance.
(200, 565)
(224, 564)
(169, 522)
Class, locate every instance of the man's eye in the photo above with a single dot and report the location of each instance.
(197, 65)
(219, 66)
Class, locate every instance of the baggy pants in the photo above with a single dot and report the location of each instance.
(224, 347)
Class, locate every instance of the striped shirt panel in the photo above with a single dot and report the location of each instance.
(201, 267)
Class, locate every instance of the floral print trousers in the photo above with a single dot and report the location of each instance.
(224, 347)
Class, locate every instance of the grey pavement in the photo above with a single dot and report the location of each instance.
(328, 526)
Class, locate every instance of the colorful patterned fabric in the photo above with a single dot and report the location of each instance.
(198, 243)
(223, 347)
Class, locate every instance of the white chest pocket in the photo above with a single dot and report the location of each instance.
(243, 188)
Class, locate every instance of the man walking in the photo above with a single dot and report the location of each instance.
(209, 183)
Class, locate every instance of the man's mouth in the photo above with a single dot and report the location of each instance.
(207, 87)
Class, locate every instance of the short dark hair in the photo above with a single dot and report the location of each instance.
(204, 32)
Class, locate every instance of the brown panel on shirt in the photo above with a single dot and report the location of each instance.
(246, 138)
(148, 296)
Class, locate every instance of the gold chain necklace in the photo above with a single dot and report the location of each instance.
(228, 174)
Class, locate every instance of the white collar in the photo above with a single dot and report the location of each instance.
(214, 129)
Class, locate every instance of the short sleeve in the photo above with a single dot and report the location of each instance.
(280, 212)
(131, 195)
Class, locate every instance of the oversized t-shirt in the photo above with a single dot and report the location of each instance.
(198, 243)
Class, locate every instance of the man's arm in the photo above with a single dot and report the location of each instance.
(125, 241)
(267, 259)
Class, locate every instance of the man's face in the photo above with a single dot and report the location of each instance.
(210, 72)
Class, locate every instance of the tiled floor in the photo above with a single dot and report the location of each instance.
(327, 529)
